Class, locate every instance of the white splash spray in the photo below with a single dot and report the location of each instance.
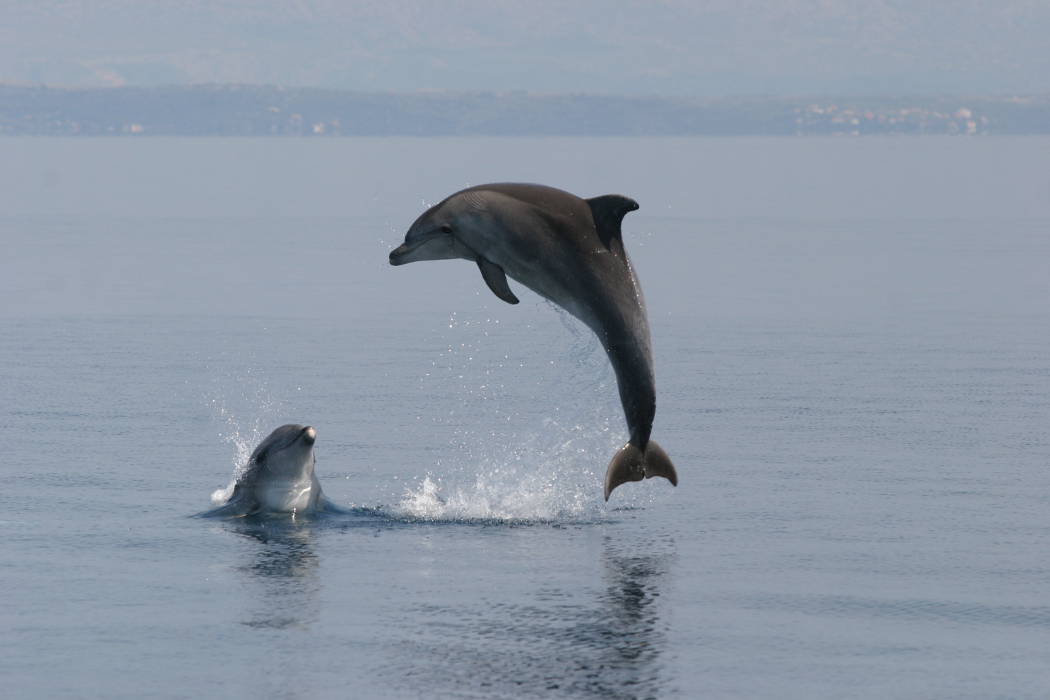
(509, 472)
(254, 399)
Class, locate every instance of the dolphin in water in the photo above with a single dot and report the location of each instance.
(568, 250)
(279, 478)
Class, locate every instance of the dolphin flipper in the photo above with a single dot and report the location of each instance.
(234, 508)
(631, 464)
(496, 279)
(326, 506)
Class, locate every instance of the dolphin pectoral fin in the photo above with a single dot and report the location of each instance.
(631, 464)
(239, 504)
(326, 506)
(496, 279)
(232, 509)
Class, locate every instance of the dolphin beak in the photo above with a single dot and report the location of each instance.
(309, 436)
(397, 253)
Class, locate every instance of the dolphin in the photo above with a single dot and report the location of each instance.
(568, 250)
(279, 478)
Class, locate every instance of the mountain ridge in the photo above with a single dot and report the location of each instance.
(253, 110)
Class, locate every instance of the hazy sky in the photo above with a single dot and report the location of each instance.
(686, 47)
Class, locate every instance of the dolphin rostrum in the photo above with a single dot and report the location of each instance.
(570, 251)
(279, 478)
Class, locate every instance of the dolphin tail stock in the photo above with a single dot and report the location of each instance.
(631, 463)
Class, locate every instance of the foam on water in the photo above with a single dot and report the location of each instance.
(528, 483)
(488, 499)
(497, 498)
(522, 483)
(547, 492)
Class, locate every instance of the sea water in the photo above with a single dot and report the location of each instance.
(852, 342)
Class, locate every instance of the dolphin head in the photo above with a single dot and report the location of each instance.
(287, 453)
(436, 234)
(279, 477)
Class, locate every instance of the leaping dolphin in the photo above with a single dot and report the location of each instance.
(569, 250)
(279, 478)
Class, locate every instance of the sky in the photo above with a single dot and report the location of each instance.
(704, 48)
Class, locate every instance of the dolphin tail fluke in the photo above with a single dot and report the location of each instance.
(632, 464)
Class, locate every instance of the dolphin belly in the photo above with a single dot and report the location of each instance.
(278, 496)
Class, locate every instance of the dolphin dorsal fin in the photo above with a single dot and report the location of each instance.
(608, 211)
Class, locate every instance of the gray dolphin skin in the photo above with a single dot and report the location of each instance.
(279, 478)
(568, 250)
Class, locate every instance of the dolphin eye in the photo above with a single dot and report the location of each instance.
(445, 228)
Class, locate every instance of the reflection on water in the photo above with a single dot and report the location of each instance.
(632, 627)
(603, 643)
(283, 571)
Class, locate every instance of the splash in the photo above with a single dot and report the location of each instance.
(524, 482)
(502, 468)
(243, 441)
(243, 435)
(502, 494)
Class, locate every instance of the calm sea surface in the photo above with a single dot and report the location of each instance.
(852, 345)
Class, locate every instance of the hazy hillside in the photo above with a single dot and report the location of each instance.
(680, 47)
(245, 110)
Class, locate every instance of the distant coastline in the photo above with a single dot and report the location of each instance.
(256, 111)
